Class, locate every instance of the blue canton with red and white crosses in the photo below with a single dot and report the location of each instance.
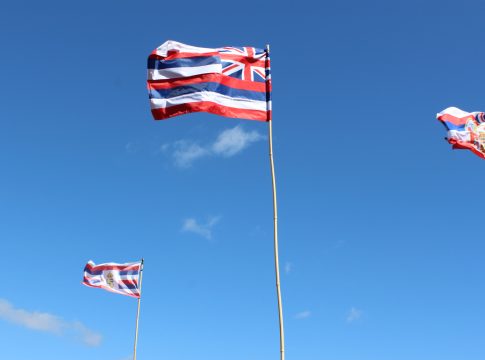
(244, 63)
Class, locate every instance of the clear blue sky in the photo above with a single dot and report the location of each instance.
(380, 222)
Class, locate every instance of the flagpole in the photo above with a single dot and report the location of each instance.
(138, 312)
(275, 228)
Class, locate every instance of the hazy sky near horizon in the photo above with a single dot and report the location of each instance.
(380, 258)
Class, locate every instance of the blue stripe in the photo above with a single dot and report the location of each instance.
(451, 126)
(100, 272)
(157, 64)
(127, 286)
(207, 86)
(86, 269)
(129, 272)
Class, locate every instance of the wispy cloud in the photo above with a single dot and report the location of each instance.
(303, 315)
(232, 141)
(185, 153)
(228, 143)
(50, 323)
(354, 314)
(131, 147)
(202, 229)
(288, 267)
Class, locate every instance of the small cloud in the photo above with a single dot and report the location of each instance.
(303, 315)
(49, 323)
(228, 143)
(204, 230)
(288, 267)
(232, 141)
(165, 147)
(354, 314)
(186, 152)
(131, 147)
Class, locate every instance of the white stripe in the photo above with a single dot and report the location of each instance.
(114, 264)
(459, 135)
(180, 72)
(453, 111)
(171, 45)
(211, 97)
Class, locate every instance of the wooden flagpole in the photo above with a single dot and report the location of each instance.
(138, 311)
(275, 227)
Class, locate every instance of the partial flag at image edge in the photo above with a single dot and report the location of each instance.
(465, 130)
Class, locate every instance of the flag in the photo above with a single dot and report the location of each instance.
(230, 81)
(465, 130)
(119, 278)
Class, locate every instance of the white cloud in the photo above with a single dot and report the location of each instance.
(228, 143)
(185, 153)
(303, 315)
(131, 147)
(288, 267)
(232, 141)
(204, 230)
(46, 322)
(354, 314)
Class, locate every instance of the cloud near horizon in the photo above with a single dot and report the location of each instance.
(204, 230)
(49, 323)
(228, 143)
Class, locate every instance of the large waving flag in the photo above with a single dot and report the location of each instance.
(229, 81)
(465, 130)
(119, 278)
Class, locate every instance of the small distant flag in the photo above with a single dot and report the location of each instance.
(229, 81)
(119, 278)
(465, 130)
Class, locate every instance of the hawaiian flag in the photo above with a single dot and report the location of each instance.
(119, 278)
(465, 130)
(230, 81)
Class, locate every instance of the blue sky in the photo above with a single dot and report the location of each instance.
(380, 233)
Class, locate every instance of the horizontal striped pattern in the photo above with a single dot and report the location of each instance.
(118, 278)
(184, 79)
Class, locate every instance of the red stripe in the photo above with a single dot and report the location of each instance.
(210, 107)
(180, 55)
(466, 146)
(455, 120)
(113, 267)
(219, 78)
(129, 282)
(135, 293)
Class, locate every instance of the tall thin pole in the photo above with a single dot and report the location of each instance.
(138, 311)
(275, 226)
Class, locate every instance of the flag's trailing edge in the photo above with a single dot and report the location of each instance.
(119, 278)
(465, 130)
(230, 81)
